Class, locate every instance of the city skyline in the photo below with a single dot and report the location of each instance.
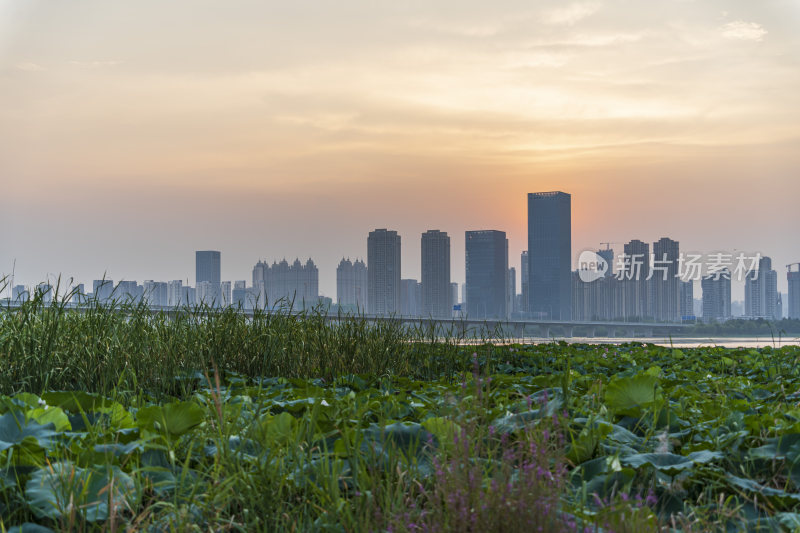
(264, 123)
(635, 248)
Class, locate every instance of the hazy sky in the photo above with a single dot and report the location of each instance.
(133, 133)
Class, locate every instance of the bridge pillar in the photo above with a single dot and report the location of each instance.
(591, 332)
(568, 330)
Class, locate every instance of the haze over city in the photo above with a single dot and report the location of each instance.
(133, 135)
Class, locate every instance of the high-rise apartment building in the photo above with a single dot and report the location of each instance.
(410, 297)
(436, 297)
(45, 292)
(511, 292)
(634, 273)
(225, 293)
(351, 285)
(156, 293)
(103, 290)
(608, 256)
(383, 272)
(761, 291)
(239, 298)
(20, 294)
(549, 255)
(665, 281)
(175, 293)
(282, 285)
(793, 277)
(486, 273)
(717, 296)
(79, 294)
(524, 279)
(686, 298)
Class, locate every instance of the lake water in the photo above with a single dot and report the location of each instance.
(680, 342)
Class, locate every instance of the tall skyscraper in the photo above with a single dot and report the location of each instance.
(717, 296)
(207, 266)
(239, 295)
(686, 299)
(665, 282)
(549, 255)
(524, 279)
(103, 289)
(436, 298)
(20, 294)
(453, 295)
(761, 291)
(175, 293)
(283, 285)
(156, 293)
(128, 292)
(486, 273)
(79, 294)
(608, 255)
(383, 272)
(410, 297)
(351, 285)
(793, 277)
(635, 270)
(225, 293)
(511, 292)
(45, 292)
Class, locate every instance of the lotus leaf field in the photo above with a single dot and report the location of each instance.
(548, 437)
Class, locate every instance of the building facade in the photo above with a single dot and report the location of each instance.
(761, 291)
(351, 285)
(103, 289)
(793, 277)
(435, 268)
(549, 255)
(486, 274)
(207, 266)
(383, 272)
(511, 292)
(686, 299)
(665, 281)
(524, 280)
(285, 286)
(634, 271)
(717, 296)
(410, 297)
(156, 293)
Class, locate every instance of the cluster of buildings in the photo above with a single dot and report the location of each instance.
(647, 285)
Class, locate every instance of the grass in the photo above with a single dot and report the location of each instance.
(116, 347)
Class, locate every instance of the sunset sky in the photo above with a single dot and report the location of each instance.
(134, 133)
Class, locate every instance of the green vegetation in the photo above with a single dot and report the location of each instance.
(118, 419)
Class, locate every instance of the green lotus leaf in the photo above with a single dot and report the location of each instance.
(56, 490)
(173, 419)
(630, 395)
(445, 430)
(14, 430)
(75, 402)
(28, 527)
(670, 463)
(51, 415)
(276, 430)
